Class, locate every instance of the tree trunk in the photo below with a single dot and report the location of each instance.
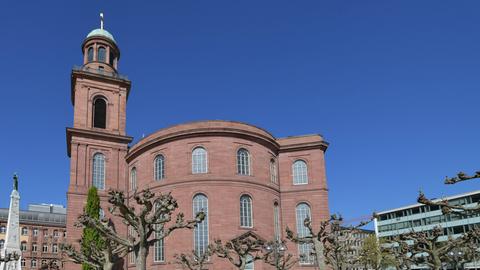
(319, 256)
(107, 266)
(142, 257)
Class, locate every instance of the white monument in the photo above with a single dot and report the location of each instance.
(12, 243)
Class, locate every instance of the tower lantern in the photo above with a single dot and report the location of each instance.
(100, 50)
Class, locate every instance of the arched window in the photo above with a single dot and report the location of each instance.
(200, 236)
(23, 246)
(98, 171)
(273, 171)
(300, 172)
(23, 262)
(243, 162)
(133, 179)
(34, 263)
(24, 231)
(199, 160)
(159, 167)
(102, 54)
(99, 113)
(246, 212)
(276, 221)
(90, 54)
(302, 212)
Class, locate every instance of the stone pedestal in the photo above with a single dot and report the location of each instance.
(12, 242)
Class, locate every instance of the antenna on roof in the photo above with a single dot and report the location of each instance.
(101, 20)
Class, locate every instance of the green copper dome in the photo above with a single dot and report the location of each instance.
(103, 33)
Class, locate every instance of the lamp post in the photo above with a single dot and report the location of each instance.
(455, 255)
(277, 249)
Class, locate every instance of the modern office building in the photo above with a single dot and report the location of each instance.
(419, 217)
(42, 231)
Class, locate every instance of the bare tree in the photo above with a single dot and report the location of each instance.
(194, 261)
(329, 243)
(102, 259)
(240, 251)
(275, 255)
(447, 207)
(424, 247)
(153, 215)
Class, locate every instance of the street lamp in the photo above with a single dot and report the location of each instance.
(277, 249)
(455, 255)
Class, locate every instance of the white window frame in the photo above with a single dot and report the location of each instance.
(246, 211)
(300, 172)
(98, 171)
(133, 178)
(243, 162)
(159, 167)
(199, 160)
(302, 211)
(201, 231)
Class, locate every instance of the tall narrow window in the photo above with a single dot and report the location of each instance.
(200, 235)
(34, 263)
(133, 179)
(98, 172)
(273, 171)
(102, 54)
(2, 244)
(302, 212)
(300, 172)
(250, 264)
(159, 167)
(246, 219)
(199, 160)
(276, 221)
(132, 258)
(90, 54)
(111, 57)
(159, 247)
(99, 113)
(243, 162)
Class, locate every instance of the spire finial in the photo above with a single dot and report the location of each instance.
(101, 20)
(15, 181)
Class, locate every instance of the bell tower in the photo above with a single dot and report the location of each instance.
(97, 142)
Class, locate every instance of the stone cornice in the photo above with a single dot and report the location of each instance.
(98, 135)
(323, 145)
(193, 132)
(97, 77)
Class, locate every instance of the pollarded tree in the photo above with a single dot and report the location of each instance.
(425, 248)
(103, 257)
(194, 261)
(330, 243)
(240, 251)
(154, 216)
(276, 256)
(447, 207)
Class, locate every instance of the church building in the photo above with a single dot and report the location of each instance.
(243, 177)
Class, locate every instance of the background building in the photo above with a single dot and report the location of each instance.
(241, 175)
(419, 217)
(42, 231)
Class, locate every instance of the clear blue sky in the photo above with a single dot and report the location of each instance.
(392, 85)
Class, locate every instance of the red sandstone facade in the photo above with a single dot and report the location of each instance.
(221, 183)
